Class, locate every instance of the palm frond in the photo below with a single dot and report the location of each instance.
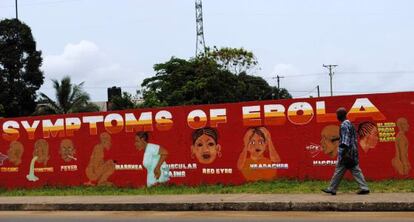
(70, 98)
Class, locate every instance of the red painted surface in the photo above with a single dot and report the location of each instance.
(295, 134)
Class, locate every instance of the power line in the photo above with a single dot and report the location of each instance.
(302, 75)
(41, 3)
(359, 92)
(348, 73)
(289, 76)
(307, 92)
(98, 87)
(379, 72)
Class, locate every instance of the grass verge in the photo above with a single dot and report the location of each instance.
(273, 187)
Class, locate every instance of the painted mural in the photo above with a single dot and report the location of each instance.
(222, 143)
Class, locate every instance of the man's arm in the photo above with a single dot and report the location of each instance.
(163, 156)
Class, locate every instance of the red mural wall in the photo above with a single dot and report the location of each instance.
(223, 143)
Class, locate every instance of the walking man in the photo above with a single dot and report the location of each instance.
(347, 156)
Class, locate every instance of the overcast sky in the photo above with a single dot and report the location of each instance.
(116, 42)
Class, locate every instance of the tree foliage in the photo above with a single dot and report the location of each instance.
(197, 81)
(19, 68)
(253, 87)
(125, 101)
(1, 111)
(279, 93)
(235, 60)
(201, 81)
(151, 99)
(70, 98)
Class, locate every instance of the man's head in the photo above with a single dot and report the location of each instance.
(141, 140)
(67, 150)
(402, 124)
(368, 135)
(330, 140)
(341, 114)
(15, 152)
(105, 140)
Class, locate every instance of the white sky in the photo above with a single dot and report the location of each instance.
(116, 42)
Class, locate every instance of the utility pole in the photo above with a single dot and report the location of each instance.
(319, 94)
(330, 67)
(17, 15)
(278, 84)
(278, 80)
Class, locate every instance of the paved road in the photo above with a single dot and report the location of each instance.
(204, 216)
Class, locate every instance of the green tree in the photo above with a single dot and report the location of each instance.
(253, 87)
(151, 99)
(19, 68)
(235, 60)
(279, 93)
(70, 98)
(122, 102)
(202, 81)
(182, 82)
(1, 111)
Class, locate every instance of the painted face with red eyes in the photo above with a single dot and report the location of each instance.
(205, 149)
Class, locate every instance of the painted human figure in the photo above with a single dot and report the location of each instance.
(368, 136)
(154, 159)
(15, 152)
(41, 151)
(401, 162)
(205, 147)
(330, 140)
(98, 170)
(40, 155)
(67, 150)
(256, 141)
